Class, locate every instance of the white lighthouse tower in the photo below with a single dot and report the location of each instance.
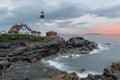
(42, 24)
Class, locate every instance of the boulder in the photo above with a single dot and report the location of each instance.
(4, 45)
(4, 65)
(75, 42)
(80, 45)
(113, 71)
(80, 42)
(109, 73)
(66, 76)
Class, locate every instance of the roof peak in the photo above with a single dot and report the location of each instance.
(21, 24)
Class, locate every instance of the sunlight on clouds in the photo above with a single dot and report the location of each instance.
(63, 16)
(86, 23)
(90, 20)
(109, 29)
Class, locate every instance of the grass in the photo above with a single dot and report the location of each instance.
(17, 35)
(7, 37)
(47, 39)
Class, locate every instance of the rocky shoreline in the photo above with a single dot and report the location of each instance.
(110, 73)
(20, 57)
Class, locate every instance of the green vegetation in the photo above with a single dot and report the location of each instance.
(17, 35)
(25, 37)
(47, 39)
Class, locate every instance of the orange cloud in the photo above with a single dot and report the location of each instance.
(107, 29)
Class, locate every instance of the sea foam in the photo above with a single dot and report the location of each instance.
(85, 74)
(55, 64)
(64, 67)
(61, 66)
(101, 48)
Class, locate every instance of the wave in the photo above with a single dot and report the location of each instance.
(64, 67)
(101, 47)
(55, 62)
(85, 74)
(70, 56)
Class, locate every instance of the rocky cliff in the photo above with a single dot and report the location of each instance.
(31, 51)
(14, 48)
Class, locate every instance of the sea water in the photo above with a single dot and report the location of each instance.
(93, 63)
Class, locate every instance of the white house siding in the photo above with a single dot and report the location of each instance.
(24, 30)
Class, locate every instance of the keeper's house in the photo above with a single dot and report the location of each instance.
(23, 29)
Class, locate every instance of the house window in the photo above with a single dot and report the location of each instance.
(14, 29)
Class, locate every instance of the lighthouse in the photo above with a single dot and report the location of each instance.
(42, 24)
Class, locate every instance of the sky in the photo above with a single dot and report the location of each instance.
(63, 16)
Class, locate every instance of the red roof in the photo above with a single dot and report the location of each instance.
(51, 33)
(16, 28)
(33, 31)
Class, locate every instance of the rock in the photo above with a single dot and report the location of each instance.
(12, 79)
(80, 45)
(66, 76)
(4, 65)
(84, 52)
(80, 42)
(21, 49)
(14, 59)
(108, 44)
(26, 79)
(4, 45)
(82, 70)
(74, 42)
(113, 71)
(33, 53)
(47, 49)
(110, 73)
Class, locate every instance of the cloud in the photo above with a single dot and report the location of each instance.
(111, 12)
(61, 15)
(88, 21)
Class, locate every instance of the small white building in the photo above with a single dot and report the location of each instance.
(23, 29)
(35, 33)
(3, 32)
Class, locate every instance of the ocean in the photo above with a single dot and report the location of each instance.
(93, 63)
